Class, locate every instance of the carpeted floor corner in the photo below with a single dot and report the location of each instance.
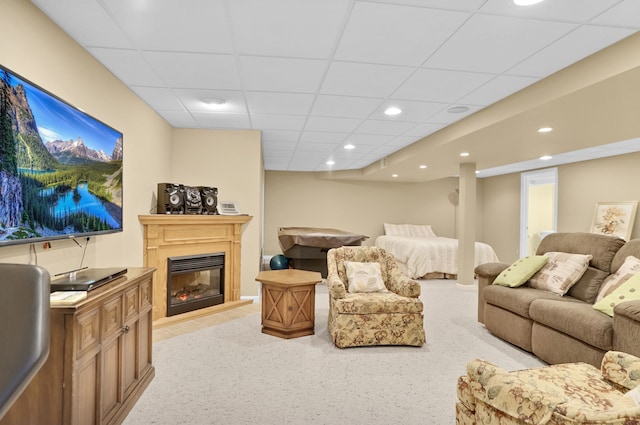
(232, 374)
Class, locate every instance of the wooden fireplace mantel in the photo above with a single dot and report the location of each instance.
(178, 235)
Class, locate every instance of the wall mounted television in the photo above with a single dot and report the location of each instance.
(60, 168)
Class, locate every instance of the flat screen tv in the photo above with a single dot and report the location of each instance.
(60, 169)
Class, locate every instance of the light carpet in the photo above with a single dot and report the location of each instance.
(233, 374)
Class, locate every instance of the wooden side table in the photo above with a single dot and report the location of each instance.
(288, 302)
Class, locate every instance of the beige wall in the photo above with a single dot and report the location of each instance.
(302, 199)
(39, 51)
(232, 162)
(34, 47)
(580, 186)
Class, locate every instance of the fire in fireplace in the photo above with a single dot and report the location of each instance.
(194, 282)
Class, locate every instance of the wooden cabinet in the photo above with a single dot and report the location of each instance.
(100, 358)
(288, 302)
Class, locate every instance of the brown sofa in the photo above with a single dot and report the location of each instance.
(564, 329)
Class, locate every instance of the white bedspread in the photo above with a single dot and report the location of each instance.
(421, 256)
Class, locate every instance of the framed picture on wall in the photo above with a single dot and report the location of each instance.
(614, 218)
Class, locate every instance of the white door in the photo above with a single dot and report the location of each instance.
(538, 208)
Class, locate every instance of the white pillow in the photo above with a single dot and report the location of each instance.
(397, 229)
(630, 267)
(561, 272)
(421, 230)
(364, 277)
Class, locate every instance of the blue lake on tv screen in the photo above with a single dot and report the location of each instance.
(87, 203)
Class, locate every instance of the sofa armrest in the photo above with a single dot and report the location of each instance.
(486, 273)
(626, 327)
(507, 393)
(622, 369)
(335, 286)
(404, 286)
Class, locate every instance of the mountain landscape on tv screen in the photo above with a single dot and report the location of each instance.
(52, 186)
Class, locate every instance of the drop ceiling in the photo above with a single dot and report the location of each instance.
(316, 75)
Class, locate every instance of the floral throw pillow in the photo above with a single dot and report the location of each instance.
(630, 267)
(364, 277)
(561, 272)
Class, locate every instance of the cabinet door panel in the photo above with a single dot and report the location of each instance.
(129, 359)
(85, 398)
(111, 396)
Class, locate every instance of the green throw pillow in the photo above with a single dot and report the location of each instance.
(520, 271)
(628, 291)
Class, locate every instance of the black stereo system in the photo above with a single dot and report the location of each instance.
(180, 199)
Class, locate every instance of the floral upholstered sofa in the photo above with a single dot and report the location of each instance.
(569, 393)
(387, 310)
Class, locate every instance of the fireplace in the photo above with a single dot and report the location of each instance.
(194, 282)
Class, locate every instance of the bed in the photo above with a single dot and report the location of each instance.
(421, 254)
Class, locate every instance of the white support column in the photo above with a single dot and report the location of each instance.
(467, 225)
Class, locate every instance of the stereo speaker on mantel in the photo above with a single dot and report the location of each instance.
(192, 200)
(209, 197)
(171, 198)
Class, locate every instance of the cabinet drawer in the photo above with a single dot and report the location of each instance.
(87, 335)
(112, 317)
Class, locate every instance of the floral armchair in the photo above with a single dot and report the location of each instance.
(569, 393)
(391, 316)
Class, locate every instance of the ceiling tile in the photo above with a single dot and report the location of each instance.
(481, 45)
(576, 45)
(314, 149)
(128, 65)
(274, 147)
(279, 103)
(159, 98)
(359, 139)
(277, 122)
(323, 137)
(340, 125)
(346, 78)
(449, 118)
(344, 106)
(286, 27)
(496, 89)
(565, 10)
(281, 74)
(387, 127)
(436, 85)
(412, 111)
(179, 119)
(194, 99)
(86, 22)
(423, 130)
(221, 120)
(280, 136)
(392, 34)
(195, 70)
(168, 25)
(624, 14)
(469, 5)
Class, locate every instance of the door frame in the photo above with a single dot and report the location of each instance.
(528, 179)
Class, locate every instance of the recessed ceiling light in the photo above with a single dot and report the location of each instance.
(457, 109)
(464, 154)
(545, 129)
(394, 175)
(392, 110)
(526, 2)
(330, 162)
(349, 146)
(423, 167)
(545, 158)
(214, 101)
